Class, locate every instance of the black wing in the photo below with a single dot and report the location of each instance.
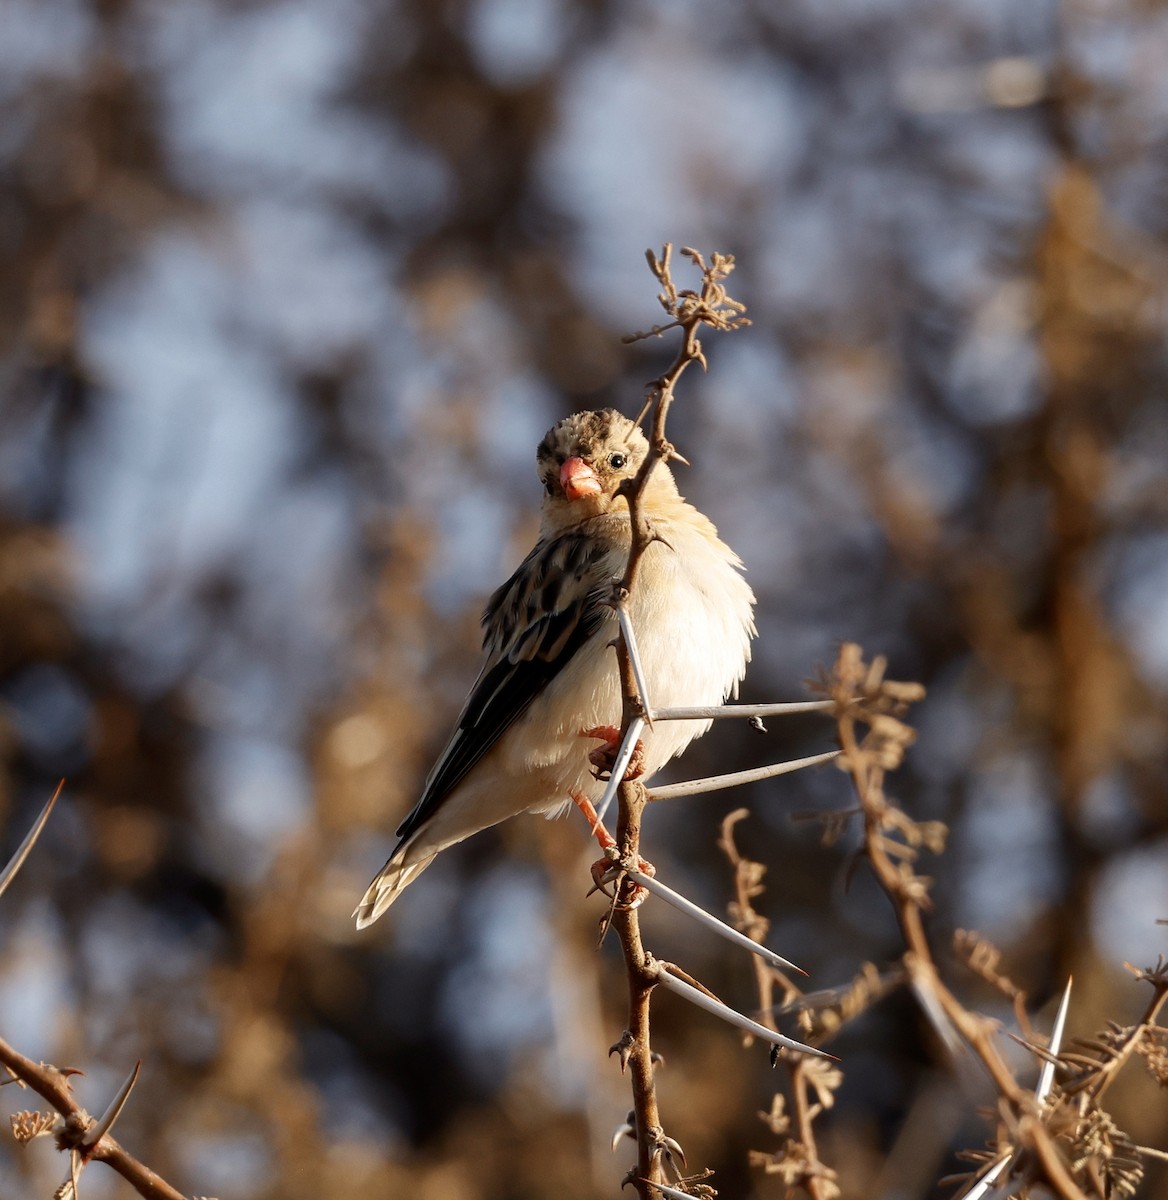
(533, 625)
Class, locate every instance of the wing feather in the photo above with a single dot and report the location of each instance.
(532, 627)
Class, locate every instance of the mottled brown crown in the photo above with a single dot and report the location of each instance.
(591, 436)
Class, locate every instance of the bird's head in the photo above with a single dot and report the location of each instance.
(582, 462)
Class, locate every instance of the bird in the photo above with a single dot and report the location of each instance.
(549, 677)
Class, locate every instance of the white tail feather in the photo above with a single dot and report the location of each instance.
(386, 887)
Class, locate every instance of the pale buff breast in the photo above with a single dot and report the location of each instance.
(691, 612)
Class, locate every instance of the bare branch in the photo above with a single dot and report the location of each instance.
(688, 311)
(52, 1085)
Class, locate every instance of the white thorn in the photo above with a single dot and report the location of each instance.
(714, 783)
(719, 712)
(981, 1186)
(626, 628)
(694, 996)
(1046, 1075)
(710, 921)
(620, 765)
(95, 1133)
(666, 1190)
(17, 860)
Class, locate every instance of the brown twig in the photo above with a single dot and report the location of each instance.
(82, 1136)
(53, 1086)
(1095, 1075)
(800, 1159)
(864, 697)
(689, 311)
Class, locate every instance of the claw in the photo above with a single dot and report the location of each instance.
(603, 757)
(629, 893)
(607, 870)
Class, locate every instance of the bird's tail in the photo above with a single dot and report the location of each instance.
(387, 886)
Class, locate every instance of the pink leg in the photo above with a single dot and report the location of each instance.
(604, 869)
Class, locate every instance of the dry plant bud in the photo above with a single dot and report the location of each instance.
(776, 1120)
(982, 957)
(28, 1125)
(862, 693)
(932, 835)
(913, 887)
(887, 740)
(1155, 1055)
(901, 694)
(797, 1170)
(821, 1013)
(1106, 1153)
(711, 306)
(824, 1078)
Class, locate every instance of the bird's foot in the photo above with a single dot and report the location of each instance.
(608, 870)
(603, 758)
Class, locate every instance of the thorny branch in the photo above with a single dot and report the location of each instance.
(865, 698)
(80, 1135)
(75, 1132)
(1066, 1145)
(689, 311)
(1056, 1140)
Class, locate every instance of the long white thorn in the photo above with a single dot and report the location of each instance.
(666, 1190)
(17, 860)
(694, 996)
(710, 921)
(1046, 1075)
(624, 755)
(626, 628)
(714, 783)
(981, 1187)
(721, 712)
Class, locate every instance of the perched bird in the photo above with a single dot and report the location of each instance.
(549, 672)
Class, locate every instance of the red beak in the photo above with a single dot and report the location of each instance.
(578, 479)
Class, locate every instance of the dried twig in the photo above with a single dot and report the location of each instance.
(798, 1160)
(76, 1133)
(689, 311)
(864, 698)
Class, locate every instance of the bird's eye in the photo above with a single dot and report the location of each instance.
(617, 461)
(548, 486)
